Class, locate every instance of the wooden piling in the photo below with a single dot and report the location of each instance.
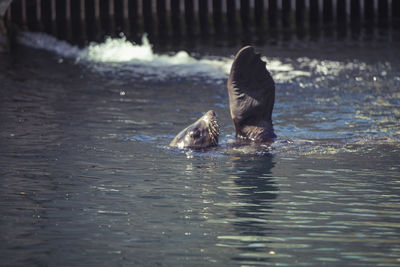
(259, 15)
(78, 27)
(231, 17)
(341, 17)
(314, 13)
(176, 17)
(355, 19)
(91, 20)
(286, 12)
(119, 18)
(396, 14)
(31, 15)
(314, 19)
(203, 18)
(327, 13)
(245, 16)
(189, 18)
(148, 16)
(272, 14)
(327, 19)
(383, 13)
(217, 17)
(134, 25)
(300, 15)
(369, 12)
(16, 13)
(162, 18)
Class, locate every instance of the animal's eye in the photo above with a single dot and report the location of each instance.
(195, 134)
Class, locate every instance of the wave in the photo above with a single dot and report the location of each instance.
(119, 54)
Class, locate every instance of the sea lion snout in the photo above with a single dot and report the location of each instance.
(211, 113)
(201, 134)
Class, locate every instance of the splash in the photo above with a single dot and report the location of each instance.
(119, 50)
(118, 55)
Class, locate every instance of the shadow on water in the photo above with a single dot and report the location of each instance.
(252, 191)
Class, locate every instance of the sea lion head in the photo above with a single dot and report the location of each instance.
(200, 134)
(251, 92)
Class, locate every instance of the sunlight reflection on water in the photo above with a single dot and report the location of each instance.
(87, 177)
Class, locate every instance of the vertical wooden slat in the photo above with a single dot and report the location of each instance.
(77, 27)
(68, 26)
(176, 17)
(259, 15)
(61, 19)
(355, 18)
(53, 13)
(369, 12)
(327, 18)
(31, 15)
(45, 7)
(104, 8)
(355, 12)
(272, 14)
(341, 18)
(314, 19)
(162, 18)
(396, 13)
(245, 15)
(68, 10)
(203, 17)
(90, 19)
(286, 10)
(64, 14)
(383, 13)
(83, 20)
(39, 15)
(16, 12)
(23, 11)
(369, 18)
(189, 18)
(133, 14)
(341, 12)
(217, 16)
(231, 16)
(314, 12)
(327, 13)
(119, 15)
(300, 15)
(148, 16)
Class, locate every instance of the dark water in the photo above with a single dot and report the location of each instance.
(87, 178)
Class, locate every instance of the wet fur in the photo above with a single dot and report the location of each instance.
(200, 134)
(251, 96)
(251, 92)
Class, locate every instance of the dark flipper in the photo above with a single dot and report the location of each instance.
(251, 96)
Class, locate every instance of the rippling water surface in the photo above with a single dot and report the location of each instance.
(87, 177)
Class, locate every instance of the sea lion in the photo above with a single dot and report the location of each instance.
(200, 134)
(251, 92)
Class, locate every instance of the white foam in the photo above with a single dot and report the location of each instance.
(119, 53)
(119, 50)
(118, 56)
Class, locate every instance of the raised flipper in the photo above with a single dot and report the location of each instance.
(251, 96)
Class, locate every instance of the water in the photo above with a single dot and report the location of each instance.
(88, 179)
